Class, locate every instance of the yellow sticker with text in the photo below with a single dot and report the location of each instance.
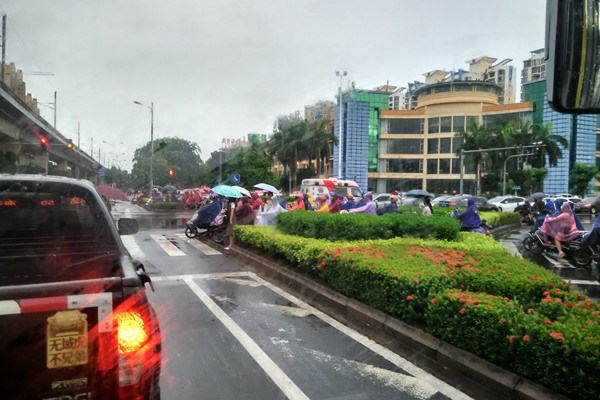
(67, 339)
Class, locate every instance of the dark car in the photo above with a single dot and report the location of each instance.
(75, 319)
(481, 204)
(586, 205)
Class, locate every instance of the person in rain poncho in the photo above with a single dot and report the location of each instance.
(323, 207)
(256, 202)
(311, 201)
(593, 236)
(392, 207)
(368, 208)
(558, 204)
(307, 204)
(268, 215)
(244, 213)
(469, 219)
(349, 203)
(561, 227)
(298, 204)
(334, 204)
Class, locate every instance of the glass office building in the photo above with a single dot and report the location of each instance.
(359, 144)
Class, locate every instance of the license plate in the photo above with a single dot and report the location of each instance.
(67, 339)
(443, 205)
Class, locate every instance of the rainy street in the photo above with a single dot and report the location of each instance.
(229, 334)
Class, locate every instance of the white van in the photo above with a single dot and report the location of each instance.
(322, 187)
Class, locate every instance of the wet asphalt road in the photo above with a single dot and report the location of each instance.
(228, 334)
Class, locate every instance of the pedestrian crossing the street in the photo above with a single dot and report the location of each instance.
(173, 246)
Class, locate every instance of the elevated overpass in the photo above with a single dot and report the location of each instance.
(21, 132)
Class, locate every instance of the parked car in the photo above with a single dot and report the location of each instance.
(437, 200)
(507, 203)
(75, 321)
(481, 204)
(586, 205)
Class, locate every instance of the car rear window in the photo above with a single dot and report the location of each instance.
(53, 232)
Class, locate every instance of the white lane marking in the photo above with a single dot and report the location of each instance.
(394, 358)
(167, 246)
(206, 249)
(134, 249)
(287, 386)
(218, 275)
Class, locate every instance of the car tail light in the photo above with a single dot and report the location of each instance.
(136, 341)
(451, 203)
(131, 331)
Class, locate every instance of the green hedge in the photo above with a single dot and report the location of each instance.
(469, 292)
(334, 227)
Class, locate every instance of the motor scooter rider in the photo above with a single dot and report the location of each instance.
(560, 227)
(524, 209)
(593, 236)
(469, 219)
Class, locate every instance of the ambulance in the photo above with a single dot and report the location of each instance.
(322, 187)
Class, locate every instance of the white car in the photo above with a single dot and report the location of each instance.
(507, 203)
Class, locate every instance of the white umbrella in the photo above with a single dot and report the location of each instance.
(243, 191)
(266, 186)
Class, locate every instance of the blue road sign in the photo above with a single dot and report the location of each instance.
(100, 171)
(235, 178)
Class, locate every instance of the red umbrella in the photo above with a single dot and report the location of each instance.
(111, 193)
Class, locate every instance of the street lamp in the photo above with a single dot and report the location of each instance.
(340, 144)
(151, 107)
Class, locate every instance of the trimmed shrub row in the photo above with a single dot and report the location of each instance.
(470, 292)
(335, 227)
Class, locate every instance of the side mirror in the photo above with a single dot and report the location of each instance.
(127, 226)
(572, 51)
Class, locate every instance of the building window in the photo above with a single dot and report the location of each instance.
(446, 124)
(456, 143)
(458, 124)
(406, 126)
(444, 166)
(456, 165)
(445, 145)
(406, 166)
(432, 146)
(405, 146)
(432, 166)
(434, 125)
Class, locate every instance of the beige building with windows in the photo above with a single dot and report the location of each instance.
(417, 148)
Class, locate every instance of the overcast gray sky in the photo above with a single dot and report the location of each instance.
(225, 68)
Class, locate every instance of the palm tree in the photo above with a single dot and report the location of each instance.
(288, 144)
(540, 134)
(318, 139)
(477, 137)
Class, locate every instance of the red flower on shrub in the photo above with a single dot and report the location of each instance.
(416, 281)
(556, 335)
(547, 322)
(526, 338)
(409, 297)
(512, 337)
(462, 310)
(433, 301)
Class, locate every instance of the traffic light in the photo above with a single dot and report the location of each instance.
(70, 145)
(44, 143)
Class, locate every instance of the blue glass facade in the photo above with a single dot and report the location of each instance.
(355, 143)
(580, 131)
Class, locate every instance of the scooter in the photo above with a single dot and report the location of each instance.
(536, 243)
(527, 218)
(212, 231)
(484, 228)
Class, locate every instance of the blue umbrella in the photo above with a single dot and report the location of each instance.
(226, 191)
(265, 186)
(418, 192)
(538, 195)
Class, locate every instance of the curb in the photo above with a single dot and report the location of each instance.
(472, 375)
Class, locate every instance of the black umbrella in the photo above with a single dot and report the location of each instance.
(538, 195)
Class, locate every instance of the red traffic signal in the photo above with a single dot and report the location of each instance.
(170, 172)
(44, 143)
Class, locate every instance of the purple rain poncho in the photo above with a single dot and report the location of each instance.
(469, 218)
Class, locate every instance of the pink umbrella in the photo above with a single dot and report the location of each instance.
(111, 193)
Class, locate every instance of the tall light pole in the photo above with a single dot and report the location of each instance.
(151, 107)
(341, 143)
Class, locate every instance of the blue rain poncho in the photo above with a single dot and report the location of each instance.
(469, 219)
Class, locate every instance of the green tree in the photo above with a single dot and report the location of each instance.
(180, 155)
(580, 178)
(115, 175)
(252, 166)
(8, 162)
(476, 137)
(552, 145)
(288, 144)
(319, 137)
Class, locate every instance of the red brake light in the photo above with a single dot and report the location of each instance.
(131, 331)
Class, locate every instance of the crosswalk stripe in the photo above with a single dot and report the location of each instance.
(209, 251)
(167, 246)
(134, 249)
